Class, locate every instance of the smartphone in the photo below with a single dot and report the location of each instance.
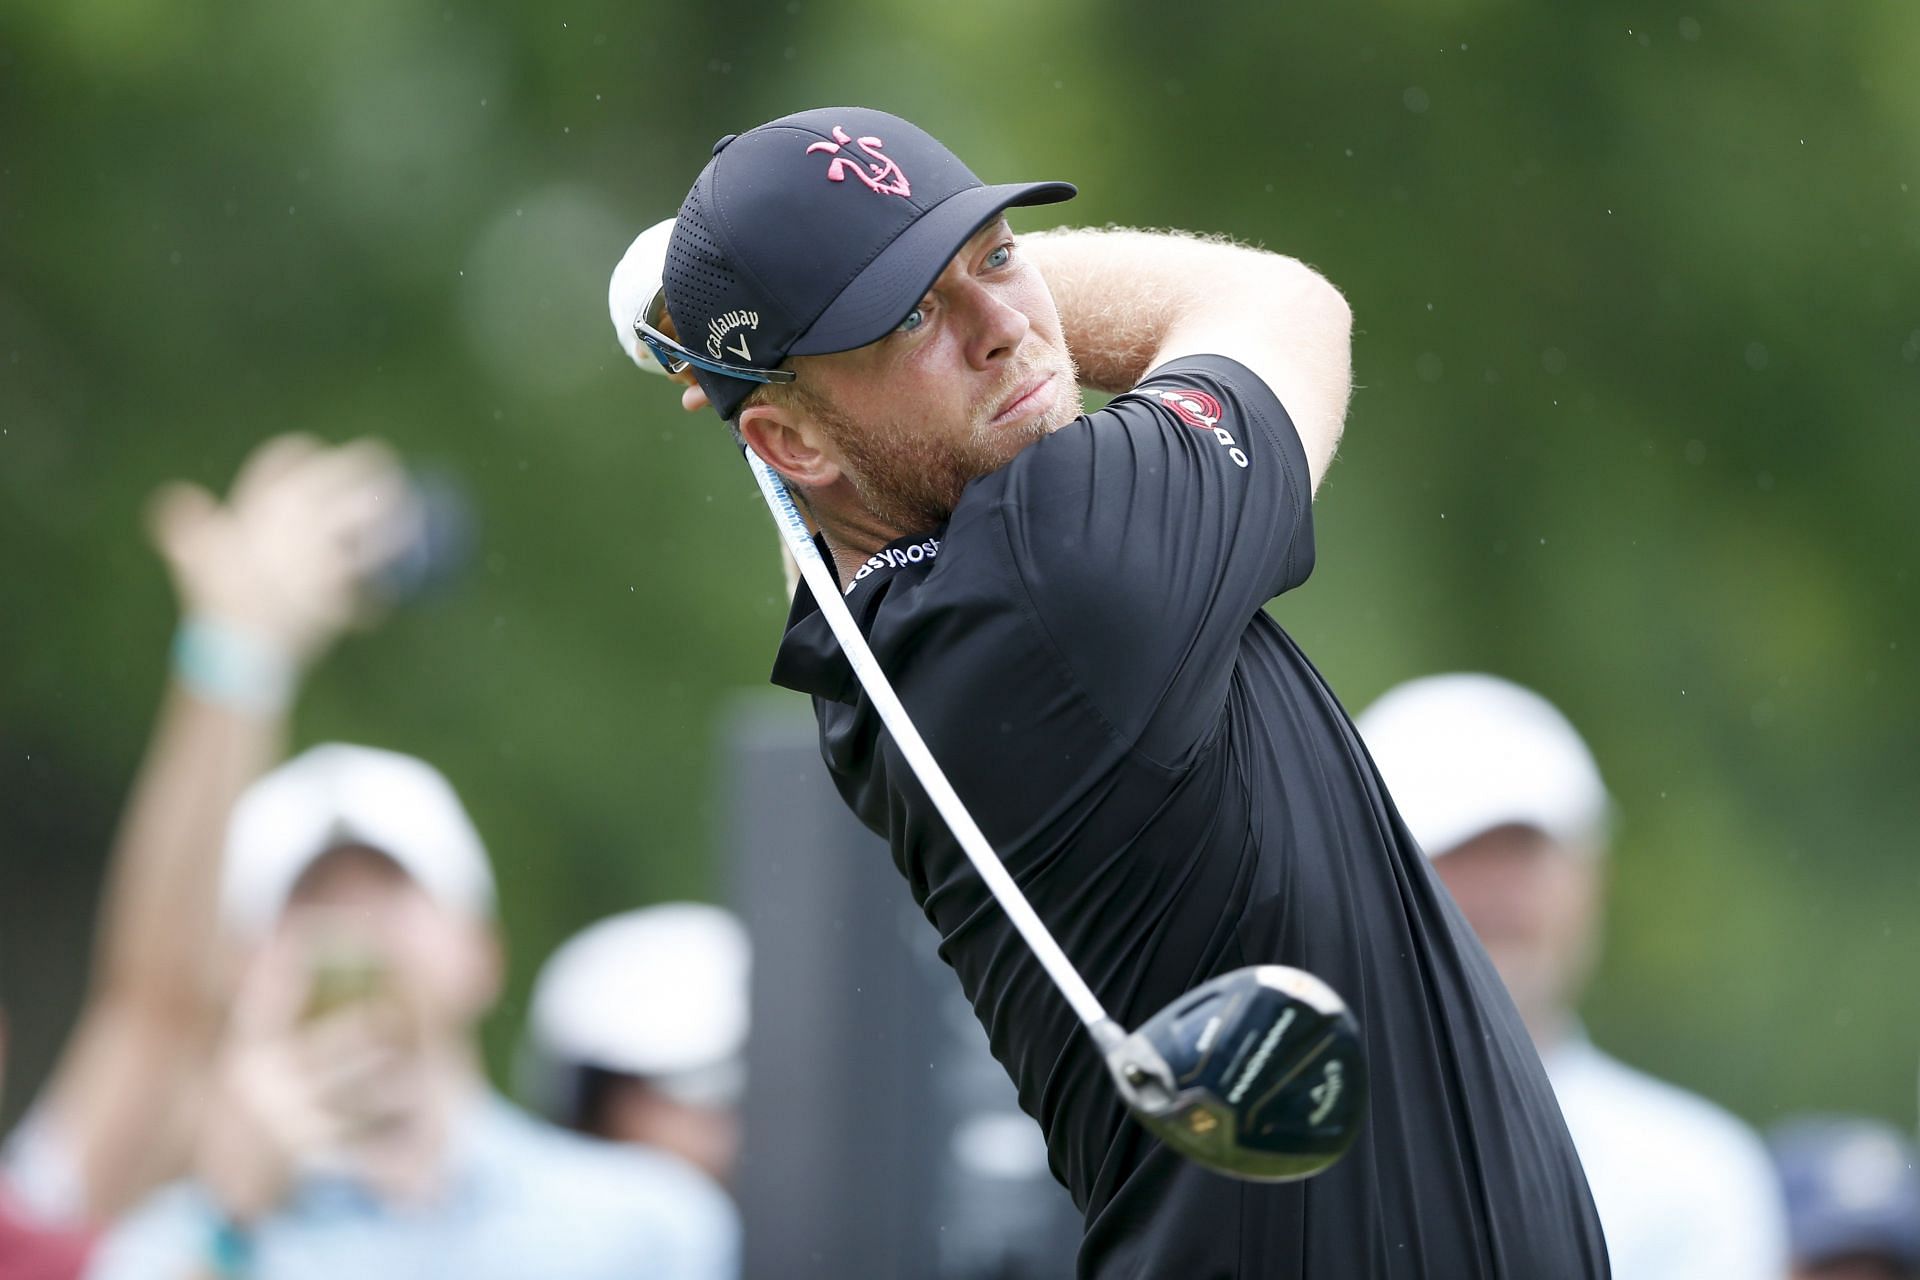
(342, 973)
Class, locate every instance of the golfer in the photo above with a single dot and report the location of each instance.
(1071, 607)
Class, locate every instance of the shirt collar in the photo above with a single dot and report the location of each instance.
(810, 660)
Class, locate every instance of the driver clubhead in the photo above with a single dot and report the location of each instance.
(1257, 1073)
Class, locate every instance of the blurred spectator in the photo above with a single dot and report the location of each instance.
(266, 582)
(349, 1130)
(1853, 1198)
(638, 1032)
(1507, 802)
(339, 1112)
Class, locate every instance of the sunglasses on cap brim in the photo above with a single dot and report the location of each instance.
(675, 358)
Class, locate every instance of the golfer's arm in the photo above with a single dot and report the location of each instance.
(1132, 300)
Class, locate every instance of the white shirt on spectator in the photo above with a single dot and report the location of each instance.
(1685, 1190)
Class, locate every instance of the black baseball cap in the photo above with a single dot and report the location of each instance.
(819, 232)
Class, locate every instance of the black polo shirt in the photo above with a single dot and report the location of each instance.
(1085, 649)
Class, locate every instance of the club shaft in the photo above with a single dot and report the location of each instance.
(826, 593)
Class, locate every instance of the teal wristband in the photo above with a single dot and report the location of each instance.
(232, 666)
(230, 1250)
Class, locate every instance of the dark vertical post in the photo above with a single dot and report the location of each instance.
(881, 1139)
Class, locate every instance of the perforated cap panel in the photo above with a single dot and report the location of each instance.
(702, 288)
(700, 285)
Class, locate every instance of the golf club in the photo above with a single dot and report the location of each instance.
(1256, 1073)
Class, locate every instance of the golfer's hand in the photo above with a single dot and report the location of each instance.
(284, 556)
(693, 399)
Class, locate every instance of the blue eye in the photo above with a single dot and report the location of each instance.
(915, 318)
(999, 257)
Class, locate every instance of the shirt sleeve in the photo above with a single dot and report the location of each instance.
(1149, 534)
(40, 1167)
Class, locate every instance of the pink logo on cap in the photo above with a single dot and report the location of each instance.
(881, 174)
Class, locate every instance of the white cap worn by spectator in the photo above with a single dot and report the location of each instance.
(336, 795)
(659, 993)
(1463, 754)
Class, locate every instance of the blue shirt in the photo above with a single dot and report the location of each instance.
(521, 1199)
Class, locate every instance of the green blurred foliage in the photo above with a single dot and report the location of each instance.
(1638, 300)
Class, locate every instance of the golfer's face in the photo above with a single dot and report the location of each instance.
(976, 371)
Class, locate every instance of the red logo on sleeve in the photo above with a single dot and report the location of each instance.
(1195, 408)
(1202, 412)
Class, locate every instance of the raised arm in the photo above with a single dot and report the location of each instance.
(1132, 300)
(266, 581)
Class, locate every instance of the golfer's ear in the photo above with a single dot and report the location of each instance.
(790, 445)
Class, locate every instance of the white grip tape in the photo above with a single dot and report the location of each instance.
(826, 593)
